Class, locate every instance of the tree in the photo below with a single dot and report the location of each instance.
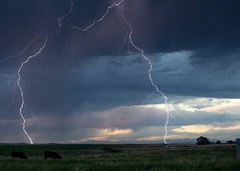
(230, 142)
(218, 142)
(202, 141)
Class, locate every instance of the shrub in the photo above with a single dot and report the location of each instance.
(203, 141)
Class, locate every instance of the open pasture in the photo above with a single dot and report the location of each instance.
(122, 158)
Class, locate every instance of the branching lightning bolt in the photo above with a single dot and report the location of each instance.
(61, 18)
(21, 90)
(148, 97)
(18, 54)
(124, 42)
(142, 54)
(149, 73)
(99, 20)
(128, 37)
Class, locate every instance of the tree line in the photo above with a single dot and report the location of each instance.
(204, 141)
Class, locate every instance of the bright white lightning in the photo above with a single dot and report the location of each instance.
(61, 18)
(99, 20)
(149, 73)
(21, 90)
(142, 54)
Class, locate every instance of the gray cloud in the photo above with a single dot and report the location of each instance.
(193, 47)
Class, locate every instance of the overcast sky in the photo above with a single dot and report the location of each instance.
(78, 70)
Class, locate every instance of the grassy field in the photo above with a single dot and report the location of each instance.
(122, 158)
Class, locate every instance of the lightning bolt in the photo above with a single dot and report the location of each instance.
(61, 18)
(142, 54)
(148, 97)
(100, 19)
(21, 90)
(149, 73)
(128, 37)
(124, 42)
(20, 53)
(17, 83)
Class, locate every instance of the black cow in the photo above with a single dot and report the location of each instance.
(52, 154)
(20, 155)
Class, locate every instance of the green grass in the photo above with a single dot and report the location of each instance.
(131, 158)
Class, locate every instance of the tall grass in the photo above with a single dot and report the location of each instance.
(131, 158)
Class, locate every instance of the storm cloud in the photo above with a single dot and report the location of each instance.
(94, 85)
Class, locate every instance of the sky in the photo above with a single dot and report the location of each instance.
(119, 70)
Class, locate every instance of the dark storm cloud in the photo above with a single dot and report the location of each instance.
(218, 58)
(193, 45)
(207, 118)
(192, 25)
(97, 83)
(173, 25)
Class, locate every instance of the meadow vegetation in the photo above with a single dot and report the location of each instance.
(122, 158)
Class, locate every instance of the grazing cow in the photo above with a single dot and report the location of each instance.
(20, 155)
(51, 154)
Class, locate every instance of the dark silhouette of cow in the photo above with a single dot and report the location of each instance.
(52, 154)
(20, 155)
